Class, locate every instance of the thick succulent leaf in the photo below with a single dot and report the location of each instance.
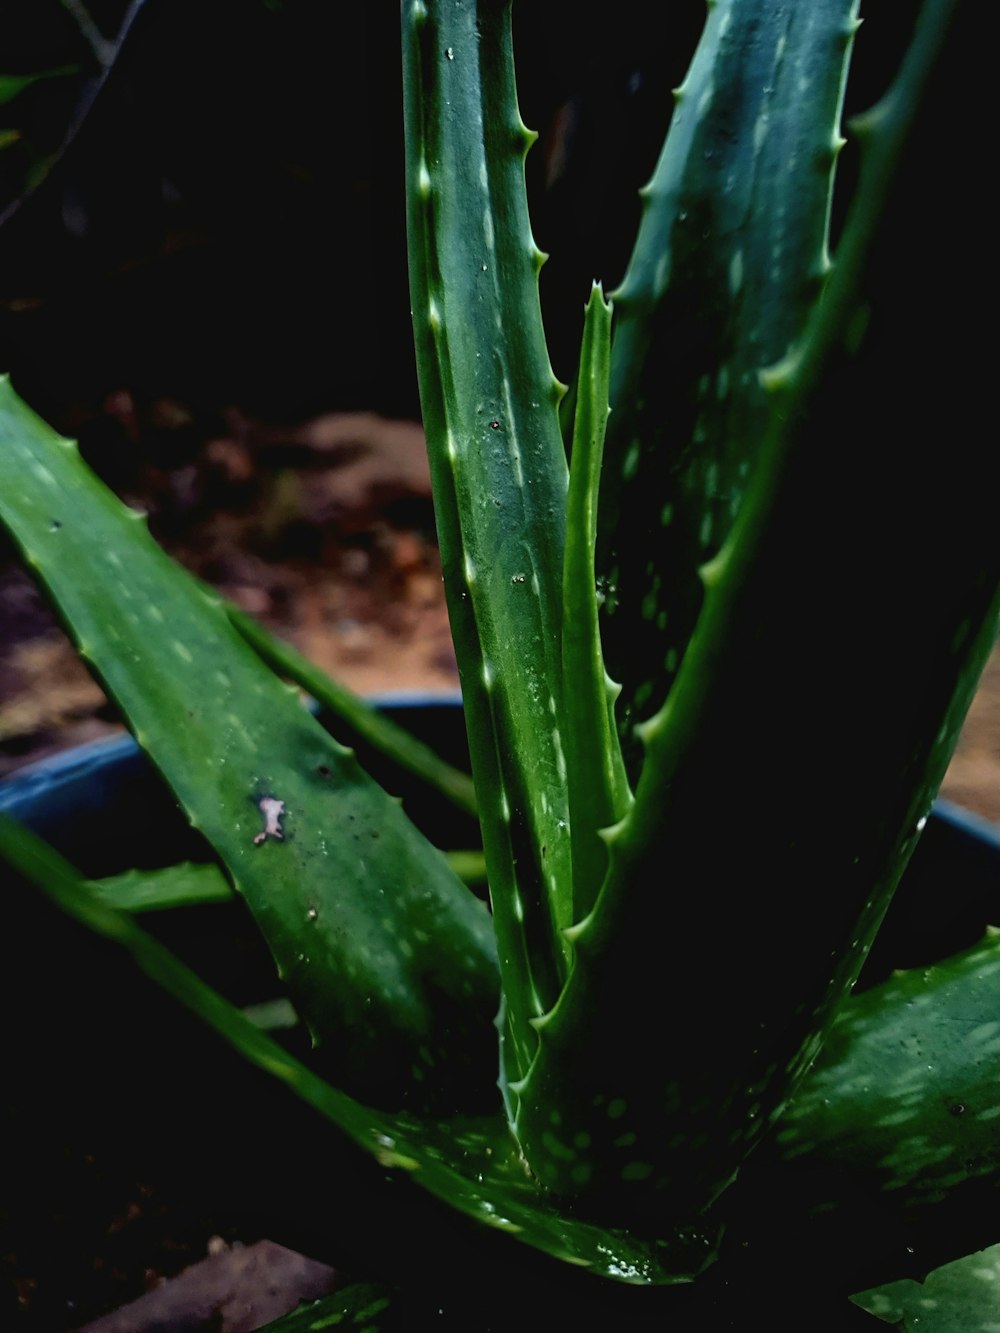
(498, 469)
(886, 1163)
(364, 1306)
(906, 1090)
(908, 1079)
(195, 884)
(789, 772)
(384, 951)
(190, 884)
(368, 723)
(961, 1297)
(599, 793)
(729, 259)
(473, 1163)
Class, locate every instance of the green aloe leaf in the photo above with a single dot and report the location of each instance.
(367, 722)
(195, 884)
(190, 884)
(362, 1306)
(749, 830)
(599, 793)
(906, 1090)
(728, 263)
(886, 1162)
(386, 954)
(682, 951)
(498, 469)
(961, 1297)
(472, 1162)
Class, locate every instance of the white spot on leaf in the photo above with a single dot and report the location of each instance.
(272, 809)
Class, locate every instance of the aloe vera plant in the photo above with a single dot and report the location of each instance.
(640, 633)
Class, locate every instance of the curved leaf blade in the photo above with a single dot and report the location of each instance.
(498, 469)
(961, 1297)
(471, 1162)
(386, 954)
(906, 1089)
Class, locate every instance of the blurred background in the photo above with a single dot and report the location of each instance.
(203, 279)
